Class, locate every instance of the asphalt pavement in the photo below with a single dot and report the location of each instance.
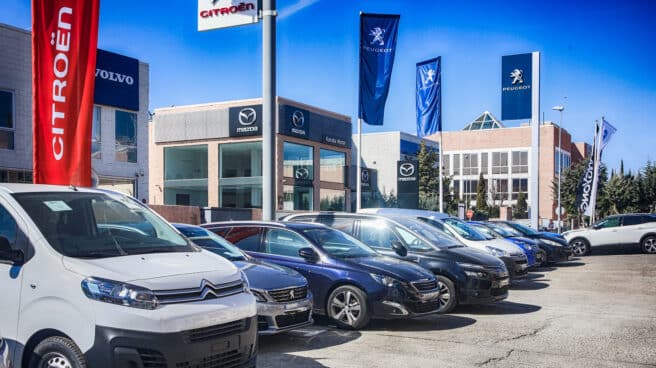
(596, 311)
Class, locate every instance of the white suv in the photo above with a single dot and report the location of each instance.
(633, 228)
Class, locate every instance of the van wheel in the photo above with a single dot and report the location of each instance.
(347, 306)
(448, 298)
(57, 352)
(580, 247)
(649, 244)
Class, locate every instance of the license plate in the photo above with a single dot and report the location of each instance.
(292, 306)
(505, 282)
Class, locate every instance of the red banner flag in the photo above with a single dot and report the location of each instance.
(64, 42)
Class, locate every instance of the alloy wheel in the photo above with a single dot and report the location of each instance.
(56, 360)
(346, 307)
(579, 247)
(649, 245)
(445, 295)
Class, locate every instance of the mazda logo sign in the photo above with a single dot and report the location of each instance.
(365, 176)
(298, 119)
(407, 169)
(247, 116)
(302, 173)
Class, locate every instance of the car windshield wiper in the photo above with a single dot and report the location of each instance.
(455, 246)
(97, 254)
(133, 251)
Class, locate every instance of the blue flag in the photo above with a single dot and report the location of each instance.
(429, 97)
(377, 46)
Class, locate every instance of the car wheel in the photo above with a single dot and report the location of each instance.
(347, 306)
(580, 247)
(649, 244)
(57, 352)
(448, 297)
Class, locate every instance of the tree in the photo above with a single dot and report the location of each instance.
(428, 171)
(481, 195)
(521, 208)
(647, 187)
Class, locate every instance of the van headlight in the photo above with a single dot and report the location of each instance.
(119, 293)
(497, 252)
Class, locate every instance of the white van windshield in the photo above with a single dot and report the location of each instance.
(98, 225)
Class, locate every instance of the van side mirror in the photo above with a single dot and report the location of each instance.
(309, 254)
(10, 255)
(399, 248)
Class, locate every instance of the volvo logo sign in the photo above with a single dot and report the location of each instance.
(247, 116)
(406, 169)
(302, 173)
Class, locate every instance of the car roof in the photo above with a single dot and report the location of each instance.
(289, 225)
(404, 212)
(41, 188)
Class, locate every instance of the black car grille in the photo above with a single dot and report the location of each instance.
(286, 320)
(213, 332)
(262, 323)
(289, 294)
(229, 359)
(205, 291)
(425, 307)
(151, 358)
(423, 286)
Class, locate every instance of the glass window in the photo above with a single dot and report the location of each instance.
(332, 166)
(15, 176)
(559, 155)
(608, 222)
(126, 136)
(96, 138)
(8, 225)
(212, 242)
(240, 185)
(519, 186)
(377, 234)
(632, 220)
(456, 164)
(6, 120)
(499, 189)
(464, 230)
(499, 162)
(519, 162)
(283, 242)
(470, 164)
(338, 244)
(245, 238)
(470, 187)
(446, 164)
(298, 161)
(297, 198)
(185, 175)
(484, 163)
(331, 200)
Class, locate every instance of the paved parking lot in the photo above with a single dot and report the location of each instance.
(597, 311)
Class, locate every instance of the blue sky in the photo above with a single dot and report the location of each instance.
(598, 54)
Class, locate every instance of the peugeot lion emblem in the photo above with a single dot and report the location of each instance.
(518, 76)
(302, 173)
(407, 169)
(377, 34)
(291, 294)
(298, 119)
(247, 116)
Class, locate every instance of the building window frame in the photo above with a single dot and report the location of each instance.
(519, 162)
(131, 158)
(11, 130)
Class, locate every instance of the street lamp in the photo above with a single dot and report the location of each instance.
(560, 159)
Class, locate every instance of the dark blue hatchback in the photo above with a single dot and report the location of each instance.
(351, 282)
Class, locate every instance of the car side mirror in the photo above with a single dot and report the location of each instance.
(10, 255)
(309, 254)
(399, 248)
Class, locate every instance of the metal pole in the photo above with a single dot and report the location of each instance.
(268, 109)
(440, 174)
(534, 185)
(560, 164)
(358, 189)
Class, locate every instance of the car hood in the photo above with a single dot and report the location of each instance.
(471, 255)
(383, 265)
(158, 271)
(266, 276)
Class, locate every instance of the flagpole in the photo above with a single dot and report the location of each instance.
(358, 189)
(440, 174)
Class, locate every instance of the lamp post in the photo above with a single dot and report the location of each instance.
(560, 160)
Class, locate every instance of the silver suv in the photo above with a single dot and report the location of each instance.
(632, 228)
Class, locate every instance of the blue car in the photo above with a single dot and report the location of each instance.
(351, 282)
(535, 256)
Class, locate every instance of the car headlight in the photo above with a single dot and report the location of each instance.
(551, 242)
(386, 280)
(496, 251)
(119, 293)
(244, 280)
(259, 296)
(473, 270)
(470, 266)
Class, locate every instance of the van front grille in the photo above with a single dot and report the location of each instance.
(206, 290)
(216, 331)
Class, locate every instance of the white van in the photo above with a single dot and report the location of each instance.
(90, 278)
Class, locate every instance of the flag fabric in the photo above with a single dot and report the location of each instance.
(64, 43)
(378, 33)
(429, 97)
(584, 189)
(607, 131)
(604, 132)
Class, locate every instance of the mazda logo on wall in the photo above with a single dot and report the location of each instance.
(406, 169)
(298, 119)
(247, 116)
(365, 176)
(302, 173)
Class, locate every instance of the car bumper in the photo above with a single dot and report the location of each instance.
(230, 344)
(517, 266)
(485, 291)
(405, 303)
(273, 318)
(560, 254)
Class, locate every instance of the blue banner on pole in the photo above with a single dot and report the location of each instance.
(429, 97)
(516, 86)
(377, 47)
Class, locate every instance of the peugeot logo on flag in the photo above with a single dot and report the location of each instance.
(302, 173)
(518, 76)
(377, 33)
(298, 119)
(407, 169)
(247, 116)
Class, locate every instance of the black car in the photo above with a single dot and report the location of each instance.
(465, 275)
(557, 248)
(351, 283)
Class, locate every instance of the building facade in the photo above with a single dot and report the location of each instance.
(120, 117)
(210, 155)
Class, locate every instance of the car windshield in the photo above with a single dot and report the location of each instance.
(465, 230)
(486, 231)
(523, 229)
(504, 230)
(434, 235)
(212, 242)
(338, 244)
(99, 225)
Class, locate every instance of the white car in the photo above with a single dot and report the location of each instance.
(633, 228)
(93, 278)
(3, 353)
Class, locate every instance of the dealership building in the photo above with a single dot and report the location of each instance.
(120, 116)
(210, 155)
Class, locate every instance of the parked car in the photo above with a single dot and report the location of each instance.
(4, 356)
(629, 229)
(464, 275)
(351, 283)
(78, 292)
(557, 248)
(284, 301)
(535, 256)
